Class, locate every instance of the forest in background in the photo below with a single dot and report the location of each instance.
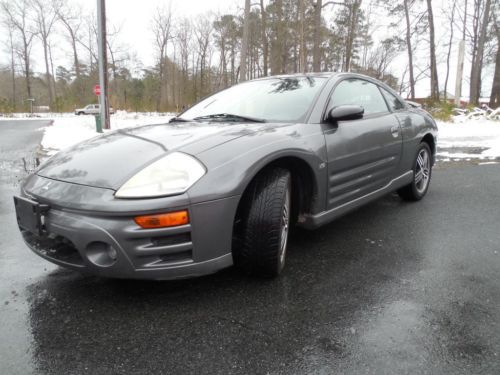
(204, 54)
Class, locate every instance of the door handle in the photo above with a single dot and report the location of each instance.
(395, 131)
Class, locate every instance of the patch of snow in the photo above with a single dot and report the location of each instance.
(481, 135)
(69, 129)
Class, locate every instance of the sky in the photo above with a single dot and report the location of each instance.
(133, 18)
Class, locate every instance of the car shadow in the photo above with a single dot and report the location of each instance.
(228, 322)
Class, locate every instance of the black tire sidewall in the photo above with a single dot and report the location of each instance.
(262, 217)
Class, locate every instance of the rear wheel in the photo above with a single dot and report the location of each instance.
(422, 171)
(265, 223)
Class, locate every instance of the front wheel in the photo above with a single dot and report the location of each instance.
(265, 223)
(422, 171)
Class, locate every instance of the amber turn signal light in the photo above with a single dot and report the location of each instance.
(170, 219)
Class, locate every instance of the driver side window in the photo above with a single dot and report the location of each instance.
(358, 92)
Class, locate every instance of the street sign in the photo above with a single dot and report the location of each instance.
(97, 90)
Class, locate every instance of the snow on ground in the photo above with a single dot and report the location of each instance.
(69, 129)
(470, 139)
(461, 139)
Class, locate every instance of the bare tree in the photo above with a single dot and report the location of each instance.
(45, 19)
(409, 48)
(302, 47)
(88, 39)
(203, 35)
(265, 41)
(161, 25)
(278, 41)
(354, 9)
(433, 62)
(70, 18)
(382, 56)
(18, 15)
(450, 42)
(477, 66)
(244, 42)
(495, 87)
(11, 48)
(460, 64)
(318, 6)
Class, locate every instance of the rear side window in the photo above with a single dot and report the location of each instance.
(358, 92)
(394, 103)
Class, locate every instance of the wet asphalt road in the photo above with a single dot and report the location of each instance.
(392, 288)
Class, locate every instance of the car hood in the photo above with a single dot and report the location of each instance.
(110, 160)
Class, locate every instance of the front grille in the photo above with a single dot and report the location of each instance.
(55, 247)
(162, 247)
(174, 239)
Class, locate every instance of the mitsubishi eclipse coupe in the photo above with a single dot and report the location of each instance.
(223, 182)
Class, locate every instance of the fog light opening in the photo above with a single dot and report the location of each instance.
(101, 254)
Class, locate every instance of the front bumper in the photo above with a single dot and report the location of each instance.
(111, 244)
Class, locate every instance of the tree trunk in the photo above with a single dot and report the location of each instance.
(433, 66)
(317, 36)
(495, 87)
(52, 73)
(47, 70)
(452, 20)
(302, 49)
(26, 58)
(265, 42)
(244, 43)
(351, 36)
(75, 53)
(13, 70)
(460, 63)
(278, 43)
(410, 51)
(475, 79)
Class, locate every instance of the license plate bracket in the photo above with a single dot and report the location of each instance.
(31, 215)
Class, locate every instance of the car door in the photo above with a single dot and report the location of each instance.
(363, 154)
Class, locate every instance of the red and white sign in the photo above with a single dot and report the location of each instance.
(97, 90)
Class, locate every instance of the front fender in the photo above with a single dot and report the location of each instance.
(232, 165)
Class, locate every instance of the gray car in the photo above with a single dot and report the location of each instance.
(223, 182)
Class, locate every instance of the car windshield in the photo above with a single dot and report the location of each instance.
(284, 99)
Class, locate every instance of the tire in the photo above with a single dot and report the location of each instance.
(265, 223)
(422, 172)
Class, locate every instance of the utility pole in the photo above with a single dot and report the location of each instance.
(460, 65)
(103, 62)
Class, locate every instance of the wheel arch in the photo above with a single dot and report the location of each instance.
(305, 185)
(430, 140)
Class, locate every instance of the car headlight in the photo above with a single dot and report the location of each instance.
(170, 175)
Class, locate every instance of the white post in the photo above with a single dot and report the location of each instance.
(460, 72)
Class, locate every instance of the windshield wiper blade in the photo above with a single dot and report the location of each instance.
(179, 119)
(229, 116)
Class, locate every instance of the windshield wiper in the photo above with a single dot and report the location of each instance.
(179, 119)
(230, 117)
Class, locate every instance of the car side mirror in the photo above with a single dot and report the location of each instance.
(345, 112)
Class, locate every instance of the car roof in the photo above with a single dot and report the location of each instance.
(298, 75)
(320, 74)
